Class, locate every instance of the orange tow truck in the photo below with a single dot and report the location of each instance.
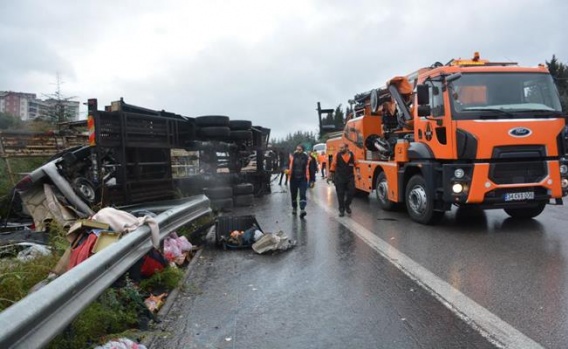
(468, 132)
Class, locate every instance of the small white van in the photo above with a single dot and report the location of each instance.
(320, 148)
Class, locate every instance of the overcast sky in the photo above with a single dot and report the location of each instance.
(265, 61)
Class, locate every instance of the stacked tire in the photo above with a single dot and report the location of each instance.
(214, 127)
(221, 198)
(240, 131)
(221, 128)
(222, 195)
(243, 195)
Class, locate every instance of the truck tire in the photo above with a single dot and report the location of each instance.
(381, 192)
(419, 204)
(243, 188)
(240, 135)
(243, 200)
(85, 190)
(526, 212)
(214, 132)
(222, 204)
(212, 121)
(214, 193)
(240, 125)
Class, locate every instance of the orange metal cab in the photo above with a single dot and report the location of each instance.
(483, 133)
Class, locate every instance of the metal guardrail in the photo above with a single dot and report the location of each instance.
(36, 319)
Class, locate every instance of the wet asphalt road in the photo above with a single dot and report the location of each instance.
(378, 280)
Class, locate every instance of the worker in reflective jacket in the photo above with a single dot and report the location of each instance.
(299, 177)
(342, 174)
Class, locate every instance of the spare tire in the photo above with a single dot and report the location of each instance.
(374, 101)
(240, 125)
(240, 135)
(243, 200)
(243, 188)
(212, 120)
(222, 204)
(214, 132)
(218, 192)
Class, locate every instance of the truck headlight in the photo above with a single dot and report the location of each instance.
(457, 188)
(563, 169)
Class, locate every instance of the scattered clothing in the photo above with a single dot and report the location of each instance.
(83, 250)
(273, 242)
(122, 221)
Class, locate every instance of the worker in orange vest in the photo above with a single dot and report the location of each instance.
(322, 160)
(299, 176)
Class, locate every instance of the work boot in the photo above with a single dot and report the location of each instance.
(294, 211)
(303, 213)
(348, 210)
(341, 214)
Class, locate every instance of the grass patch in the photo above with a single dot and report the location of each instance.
(17, 277)
(167, 279)
(118, 312)
(114, 313)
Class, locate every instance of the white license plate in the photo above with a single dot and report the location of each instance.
(525, 195)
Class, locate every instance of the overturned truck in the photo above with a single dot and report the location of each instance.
(138, 146)
(137, 155)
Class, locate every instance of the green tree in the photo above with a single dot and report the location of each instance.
(289, 143)
(559, 72)
(8, 121)
(348, 110)
(339, 118)
(58, 109)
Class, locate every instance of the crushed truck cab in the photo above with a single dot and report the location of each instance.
(469, 132)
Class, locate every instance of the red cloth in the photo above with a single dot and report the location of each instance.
(153, 262)
(82, 252)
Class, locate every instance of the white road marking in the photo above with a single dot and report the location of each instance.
(488, 324)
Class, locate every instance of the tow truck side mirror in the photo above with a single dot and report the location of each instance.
(423, 94)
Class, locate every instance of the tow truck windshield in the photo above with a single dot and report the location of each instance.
(503, 95)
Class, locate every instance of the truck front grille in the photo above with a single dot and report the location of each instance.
(515, 165)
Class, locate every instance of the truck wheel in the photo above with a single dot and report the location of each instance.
(419, 205)
(526, 212)
(381, 191)
(85, 190)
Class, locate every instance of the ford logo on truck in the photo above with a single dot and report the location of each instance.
(520, 132)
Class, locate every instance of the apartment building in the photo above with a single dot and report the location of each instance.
(28, 107)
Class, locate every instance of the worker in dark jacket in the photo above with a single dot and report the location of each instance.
(342, 174)
(299, 176)
(313, 168)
